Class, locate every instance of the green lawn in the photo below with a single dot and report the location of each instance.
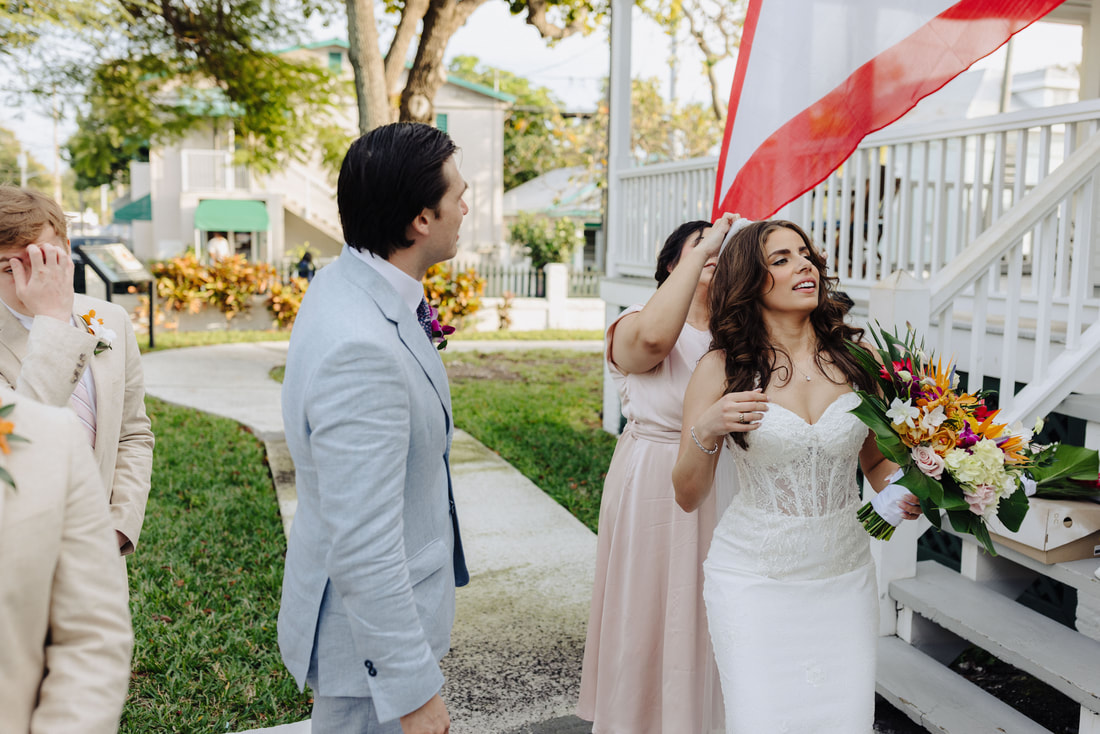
(540, 410)
(204, 585)
(175, 339)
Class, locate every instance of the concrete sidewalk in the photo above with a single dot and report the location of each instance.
(514, 665)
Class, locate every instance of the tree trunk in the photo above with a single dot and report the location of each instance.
(443, 19)
(366, 61)
(411, 15)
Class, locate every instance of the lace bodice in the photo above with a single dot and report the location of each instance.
(795, 514)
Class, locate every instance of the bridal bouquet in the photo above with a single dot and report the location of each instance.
(953, 454)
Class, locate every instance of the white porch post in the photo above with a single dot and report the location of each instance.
(619, 122)
(1090, 54)
(618, 160)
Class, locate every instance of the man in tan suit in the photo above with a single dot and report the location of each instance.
(62, 348)
(65, 637)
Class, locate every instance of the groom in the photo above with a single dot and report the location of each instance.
(374, 553)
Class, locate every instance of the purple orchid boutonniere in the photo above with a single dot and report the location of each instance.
(439, 331)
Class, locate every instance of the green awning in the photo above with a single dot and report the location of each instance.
(231, 215)
(137, 210)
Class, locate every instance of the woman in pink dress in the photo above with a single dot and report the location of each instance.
(648, 665)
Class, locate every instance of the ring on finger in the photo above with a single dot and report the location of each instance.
(743, 418)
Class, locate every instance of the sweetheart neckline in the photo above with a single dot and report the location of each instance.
(825, 412)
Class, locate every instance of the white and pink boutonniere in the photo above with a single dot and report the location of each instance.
(99, 329)
(440, 332)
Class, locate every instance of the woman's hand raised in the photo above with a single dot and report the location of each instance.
(711, 242)
(735, 412)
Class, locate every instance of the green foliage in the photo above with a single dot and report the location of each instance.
(547, 241)
(455, 293)
(285, 299)
(23, 22)
(537, 137)
(498, 397)
(228, 284)
(180, 65)
(205, 584)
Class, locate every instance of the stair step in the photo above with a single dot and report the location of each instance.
(1060, 657)
(940, 700)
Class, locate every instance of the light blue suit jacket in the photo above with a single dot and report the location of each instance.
(373, 557)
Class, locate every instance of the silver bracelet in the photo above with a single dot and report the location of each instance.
(708, 452)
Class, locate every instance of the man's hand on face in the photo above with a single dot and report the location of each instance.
(43, 277)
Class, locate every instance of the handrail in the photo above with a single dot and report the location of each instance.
(915, 132)
(992, 244)
(688, 164)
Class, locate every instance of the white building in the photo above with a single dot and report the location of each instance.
(189, 190)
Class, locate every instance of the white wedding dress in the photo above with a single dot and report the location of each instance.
(789, 581)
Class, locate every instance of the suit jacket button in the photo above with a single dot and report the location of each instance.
(370, 669)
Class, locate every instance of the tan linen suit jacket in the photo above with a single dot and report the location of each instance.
(65, 639)
(46, 363)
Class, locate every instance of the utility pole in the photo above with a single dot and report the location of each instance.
(56, 150)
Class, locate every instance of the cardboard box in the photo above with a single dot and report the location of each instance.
(1054, 531)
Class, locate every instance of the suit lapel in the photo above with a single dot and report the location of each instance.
(366, 278)
(108, 396)
(13, 340)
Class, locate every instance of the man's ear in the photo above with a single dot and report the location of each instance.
(421, 225)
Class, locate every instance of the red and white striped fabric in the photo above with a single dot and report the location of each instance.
(815, 76)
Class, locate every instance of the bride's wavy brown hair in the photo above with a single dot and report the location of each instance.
(737, 320)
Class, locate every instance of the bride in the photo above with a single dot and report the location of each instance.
(789, 582)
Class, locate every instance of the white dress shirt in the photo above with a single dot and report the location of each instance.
(408, 288)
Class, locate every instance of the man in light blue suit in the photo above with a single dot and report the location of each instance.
(374, 553)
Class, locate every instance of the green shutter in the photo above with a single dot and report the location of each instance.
(441, 121)
(335, 60)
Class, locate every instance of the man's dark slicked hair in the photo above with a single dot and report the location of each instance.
(388, 177)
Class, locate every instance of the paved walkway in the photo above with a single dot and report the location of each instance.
(514, 665)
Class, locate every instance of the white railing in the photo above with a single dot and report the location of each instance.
(656, 200)
(212, 170)
(911, 197)
(1056, 223)
(308, 194)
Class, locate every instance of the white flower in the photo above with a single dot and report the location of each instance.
(904, 375)
(1038, 426)
(931, 420)
(100, 330)
(903, 412)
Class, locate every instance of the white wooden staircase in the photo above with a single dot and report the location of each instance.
(934, 611)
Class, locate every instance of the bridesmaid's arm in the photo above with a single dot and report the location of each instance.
(643, 340)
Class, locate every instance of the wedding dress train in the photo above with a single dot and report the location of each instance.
(789, 581)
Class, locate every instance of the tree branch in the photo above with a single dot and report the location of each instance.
(537, 17)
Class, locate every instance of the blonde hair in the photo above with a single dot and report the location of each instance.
(24, 213)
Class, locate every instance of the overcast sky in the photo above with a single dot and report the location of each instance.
(573, 68)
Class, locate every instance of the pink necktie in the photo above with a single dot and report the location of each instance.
(81, 403)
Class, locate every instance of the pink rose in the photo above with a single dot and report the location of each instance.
(928, 461)
(981, 498)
